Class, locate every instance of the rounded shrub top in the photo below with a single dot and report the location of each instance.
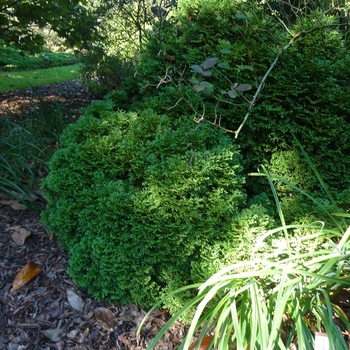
(134, 198)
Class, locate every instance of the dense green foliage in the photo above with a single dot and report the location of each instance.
(19, 21)
(282, 295)
(112, 57)
(305, 94)
(272, 303)
(145, 200)
(137, 198)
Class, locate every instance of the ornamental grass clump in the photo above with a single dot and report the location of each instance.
(271, 303)
(135, 197)
(25, 147)
(281, 297)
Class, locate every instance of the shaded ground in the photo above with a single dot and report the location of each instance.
(50, 312)
(69, 96)
(43, 315)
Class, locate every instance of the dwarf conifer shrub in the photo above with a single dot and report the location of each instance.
(134, 198)
(305, 94)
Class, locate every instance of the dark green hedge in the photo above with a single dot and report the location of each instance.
(307, 92)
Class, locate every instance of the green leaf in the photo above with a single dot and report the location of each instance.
(232, 93)
(206, 84)
(244, 67)
(197, 68)
(207, 73)
(194, 81)
(240, 16)
(199, 87)
(224, 65)
(225, 51)
(210, 62)
(243, 87)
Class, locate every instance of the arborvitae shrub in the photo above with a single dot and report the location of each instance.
(306, 93)
(134, 198)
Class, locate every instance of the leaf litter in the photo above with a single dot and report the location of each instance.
(52, 312)
(19, 234)
(25, 275)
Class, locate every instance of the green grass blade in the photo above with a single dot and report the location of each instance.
(316, 172)
(278, 205)
(321, 208)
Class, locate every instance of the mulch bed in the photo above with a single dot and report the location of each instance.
(69, 96)
(41, 315)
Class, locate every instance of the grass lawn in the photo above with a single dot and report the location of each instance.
(11, 59)
(25, 79)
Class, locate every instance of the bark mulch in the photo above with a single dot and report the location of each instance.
(50, 311)
(69, 96)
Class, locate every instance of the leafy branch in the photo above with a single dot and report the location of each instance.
(205, 70)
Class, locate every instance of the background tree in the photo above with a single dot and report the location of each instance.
(72, 20)
(123, 28)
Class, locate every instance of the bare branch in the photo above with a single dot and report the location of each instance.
(178, 101)
(262, 83)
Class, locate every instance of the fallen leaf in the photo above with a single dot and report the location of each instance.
(19, 235)
(74, 300)
(106, 318)
(27, 273)
(53, 334)
(54, 309)
(14, 204)
(125, 318)
(13, 346)
(159, 312)
(124, 340)
(204, 344)
(83, 336)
